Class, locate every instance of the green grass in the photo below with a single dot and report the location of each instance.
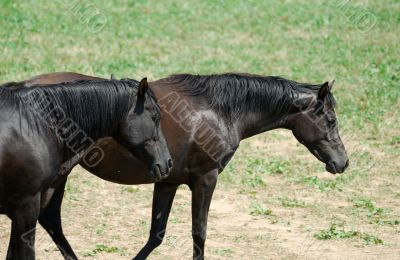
(223, 252)
(304, 41)
(369, 206)
(129, 189)
(292, 203)
(375, 215)
(100, 248)
(334, 233)
(273, 165)
(321, 185)
(260, 210)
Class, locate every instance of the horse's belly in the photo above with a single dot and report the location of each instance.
(123, 176)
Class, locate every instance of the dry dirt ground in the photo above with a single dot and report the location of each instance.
(267, 206)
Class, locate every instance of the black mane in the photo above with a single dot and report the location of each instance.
(233, 94)
(95, 106)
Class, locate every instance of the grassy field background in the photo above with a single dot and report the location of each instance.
(274, 200)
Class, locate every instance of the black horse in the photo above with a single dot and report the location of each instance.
(204, 118)
(46, 130)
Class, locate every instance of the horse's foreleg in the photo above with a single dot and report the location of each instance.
(24, 218)
(50, 219)
(163, 197)
(202, 189)
(11, 245)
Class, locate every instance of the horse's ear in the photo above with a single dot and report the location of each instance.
(143, 86)
(325, 89)
(330, 84)
(113, 76)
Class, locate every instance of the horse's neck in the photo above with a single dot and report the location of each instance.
(94, 124)
(253, 124)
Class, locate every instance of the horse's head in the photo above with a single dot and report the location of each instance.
(141, 131)
(315, 126)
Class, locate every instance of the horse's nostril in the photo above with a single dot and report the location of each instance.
(170, 163)
(157, 171)
(347, 164)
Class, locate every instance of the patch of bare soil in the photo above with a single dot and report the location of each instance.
(110, 221)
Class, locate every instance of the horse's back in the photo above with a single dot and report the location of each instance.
(56, 78)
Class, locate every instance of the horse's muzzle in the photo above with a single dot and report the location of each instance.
(334, 168)
(158, 172)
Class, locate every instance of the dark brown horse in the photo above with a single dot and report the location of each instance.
(46, 130)
(204, 118)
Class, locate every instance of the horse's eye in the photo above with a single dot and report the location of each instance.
(332, 121)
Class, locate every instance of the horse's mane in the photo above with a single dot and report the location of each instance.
(232, 94)
(13, 85)
(95, 106)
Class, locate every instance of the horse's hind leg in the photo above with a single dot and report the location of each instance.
(50, 219)
(24, 218)
(163, 196)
